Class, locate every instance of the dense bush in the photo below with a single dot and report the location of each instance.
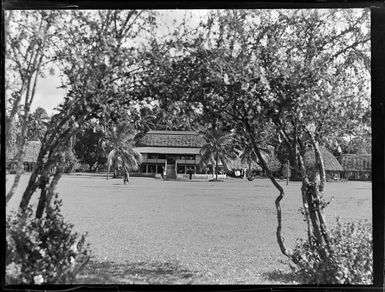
(72, 163)
(43, 250)
(351, 262)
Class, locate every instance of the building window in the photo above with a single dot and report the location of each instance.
(152, 156)
(181, 169)
(162, 156)
(151, 168)
(160, 168)
(189, 157)
(190, 169)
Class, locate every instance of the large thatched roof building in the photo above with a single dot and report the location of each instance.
(170, 152)
(333, 168)
(179, 139)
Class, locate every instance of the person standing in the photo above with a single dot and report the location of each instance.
(126, 176)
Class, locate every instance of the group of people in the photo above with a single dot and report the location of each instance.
(126, 174)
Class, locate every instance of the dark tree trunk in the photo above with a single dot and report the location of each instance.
(216, 167)
(264, 166)
(37, 175)
(41, 204)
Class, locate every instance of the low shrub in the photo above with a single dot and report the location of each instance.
(351, 262)
(43, 250)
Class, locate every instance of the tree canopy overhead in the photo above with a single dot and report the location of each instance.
(305, 72)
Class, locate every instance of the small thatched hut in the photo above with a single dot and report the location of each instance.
(238, 164)
(356, 166)
(333, 168)
(32, 149)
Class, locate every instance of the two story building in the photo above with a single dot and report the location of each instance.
(170, 153)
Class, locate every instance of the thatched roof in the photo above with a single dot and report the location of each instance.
(171, 139)
(356, 162)
(31, 152)
(238, 164)
(168, 150)
(330, 161)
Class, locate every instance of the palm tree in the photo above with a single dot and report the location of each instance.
(218, 147)
(37, 124)
(143, 121)
(122, 152)
(248, 155)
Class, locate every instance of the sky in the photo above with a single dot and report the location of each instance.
(49, 96)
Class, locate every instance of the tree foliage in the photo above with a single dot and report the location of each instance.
(28, 40)
(97, 58)
(218, 148)
(304, 72)
(37, 124)
(122, 154)
(88, 147)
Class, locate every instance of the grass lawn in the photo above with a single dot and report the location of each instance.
(155, 231)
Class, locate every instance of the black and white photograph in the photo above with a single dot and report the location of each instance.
(188, 146)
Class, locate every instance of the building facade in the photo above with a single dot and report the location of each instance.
(356, 166)
(32, 149)
(170, 153)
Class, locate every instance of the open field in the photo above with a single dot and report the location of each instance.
(154, 231)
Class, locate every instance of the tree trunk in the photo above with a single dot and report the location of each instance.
(313, 213)
(304, 195)
(31, 187)
(41, 204)
(41, 170)
(19, 163)
(264, 166)
(52, 187)
(216, 167)
(19, 171)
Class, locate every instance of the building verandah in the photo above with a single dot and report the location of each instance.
(155, 163)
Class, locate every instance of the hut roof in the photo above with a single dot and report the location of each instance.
(238, 164)
(330, 161)
(356, 162)
(31, 151)
(168, 150)
(184, 139)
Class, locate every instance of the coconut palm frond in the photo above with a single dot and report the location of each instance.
(219, 147)
(111, 159)
(225, 162)
(130, 159)
(206, 157)
(135, 154)
(121, 134)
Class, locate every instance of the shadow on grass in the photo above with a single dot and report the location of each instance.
(281, 277)
(136, 273)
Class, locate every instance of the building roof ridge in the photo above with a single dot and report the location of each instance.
(169, 132)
